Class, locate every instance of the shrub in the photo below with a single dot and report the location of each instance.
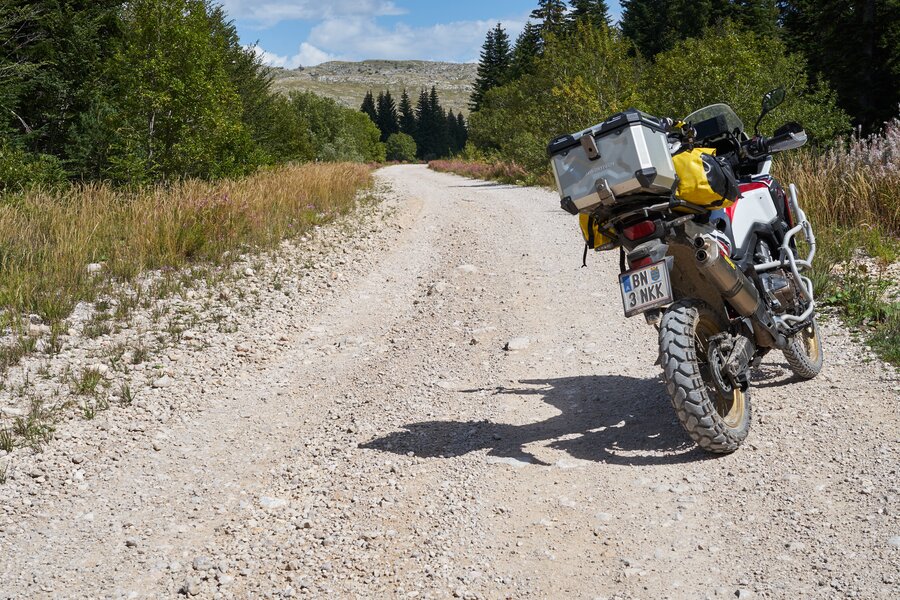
(20, 170)
(401, 147)
(339, 133)
(579, 80)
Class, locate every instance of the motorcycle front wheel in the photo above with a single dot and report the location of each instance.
(718, 422)
(804, 352)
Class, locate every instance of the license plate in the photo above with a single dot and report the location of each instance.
(645, 288)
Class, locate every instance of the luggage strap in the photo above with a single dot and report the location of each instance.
(590, 240)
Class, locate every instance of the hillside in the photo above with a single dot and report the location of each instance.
(348, 82)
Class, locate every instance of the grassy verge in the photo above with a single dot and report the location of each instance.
(852, 196)
(48, 239)
(498, 171)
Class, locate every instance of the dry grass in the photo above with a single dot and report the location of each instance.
(48, 238)
(490, 171)
(853, 186)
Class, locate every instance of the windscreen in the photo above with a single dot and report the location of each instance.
(714, 120)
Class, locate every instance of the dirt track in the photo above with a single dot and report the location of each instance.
(381, 443)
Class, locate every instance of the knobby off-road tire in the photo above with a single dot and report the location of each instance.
(804, 352)
(717, 422)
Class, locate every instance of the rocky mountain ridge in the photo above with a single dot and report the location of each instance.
(348, 82)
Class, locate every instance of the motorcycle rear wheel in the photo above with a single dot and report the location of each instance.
(804, 352)
(716, 421)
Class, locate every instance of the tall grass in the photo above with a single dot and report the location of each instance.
(502, 172)
(852, 186)
(851, 194)
(47, 238)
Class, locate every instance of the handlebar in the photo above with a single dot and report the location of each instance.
(788, 137)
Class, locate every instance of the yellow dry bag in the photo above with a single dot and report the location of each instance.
(705, 180)
(593, 236)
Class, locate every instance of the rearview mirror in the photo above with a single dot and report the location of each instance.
(772, 99)
(769, 102)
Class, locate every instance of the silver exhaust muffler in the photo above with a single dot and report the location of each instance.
(718, 269)
(736, 289)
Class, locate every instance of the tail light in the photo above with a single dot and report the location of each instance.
(641, 262)
(639, 231)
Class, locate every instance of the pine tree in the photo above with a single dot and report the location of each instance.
(493, 66)
(528, 47)
(368, 107)
(656, 25)
(407, 115)
(451, 131)
(647, 24)
(594, 11)
(551, 14)
(424, 127)
(387, 116)
(439, 118)
(462, 132)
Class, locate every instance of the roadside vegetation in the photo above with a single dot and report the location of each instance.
(140, 137)
(50, 237)
(570, 68)
(433, 131)
(148, 92)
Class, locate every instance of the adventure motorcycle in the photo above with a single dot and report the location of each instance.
(712, 250)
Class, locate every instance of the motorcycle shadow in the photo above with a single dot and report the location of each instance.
(606, 418)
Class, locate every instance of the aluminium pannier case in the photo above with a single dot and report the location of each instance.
(626, 154)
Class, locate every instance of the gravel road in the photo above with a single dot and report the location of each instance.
(362, 432)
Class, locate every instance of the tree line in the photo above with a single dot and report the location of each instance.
(850, 48)
(150, 91)
(425, 131)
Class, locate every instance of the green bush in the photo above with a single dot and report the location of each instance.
(180, 115)
(578, 81)
(401, 147)
(338, 133)
(736, 68)
(20, 170)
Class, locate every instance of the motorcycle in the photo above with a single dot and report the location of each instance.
(721, 280)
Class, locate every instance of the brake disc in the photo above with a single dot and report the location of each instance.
(716, 361)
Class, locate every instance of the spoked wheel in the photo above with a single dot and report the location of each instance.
(804, 352)
(715, 415)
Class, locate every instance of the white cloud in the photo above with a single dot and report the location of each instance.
(350, 30)
(363, 37)
(266, 13)
(307, 56)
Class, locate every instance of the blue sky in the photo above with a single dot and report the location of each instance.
(292, 33)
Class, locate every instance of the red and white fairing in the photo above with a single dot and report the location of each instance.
(755, 205)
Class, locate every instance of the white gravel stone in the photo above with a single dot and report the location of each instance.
(271, 503)
(516, 344)
(162, 382)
